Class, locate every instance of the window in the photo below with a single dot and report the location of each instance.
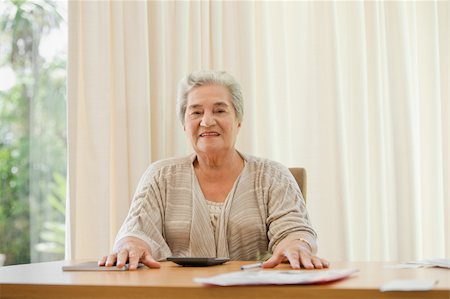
(33, 50)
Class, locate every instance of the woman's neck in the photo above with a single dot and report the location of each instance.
(211, 164)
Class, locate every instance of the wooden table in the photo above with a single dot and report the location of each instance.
(47, 280)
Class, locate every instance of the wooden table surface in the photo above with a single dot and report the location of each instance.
(47, 280)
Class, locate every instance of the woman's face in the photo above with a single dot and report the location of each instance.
(210, 120)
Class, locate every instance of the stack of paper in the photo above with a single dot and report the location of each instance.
(441, 263)
(276, 277)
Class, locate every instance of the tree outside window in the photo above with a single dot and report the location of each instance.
(33, 159)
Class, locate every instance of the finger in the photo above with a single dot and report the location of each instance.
(122, 258)
(325, 263)
(275, 260)
(305, 259)
(111, 260)
(293, 258)
(316, 262)
(149, 261)
(102, 260)
(133, 258)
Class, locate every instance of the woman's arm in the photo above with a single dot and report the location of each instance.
(140, 237)
(292, 238)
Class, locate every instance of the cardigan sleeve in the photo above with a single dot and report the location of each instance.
(146, 215)
(286, 209)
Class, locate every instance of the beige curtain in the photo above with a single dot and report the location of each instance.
(109, 119)
(355, 92)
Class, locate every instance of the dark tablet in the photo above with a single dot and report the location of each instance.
(197, 261)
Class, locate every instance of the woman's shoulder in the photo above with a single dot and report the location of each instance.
(269, 172)
(172, 161)
(266, 167)
(169, 166)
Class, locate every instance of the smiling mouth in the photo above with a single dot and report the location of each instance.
(209, 134)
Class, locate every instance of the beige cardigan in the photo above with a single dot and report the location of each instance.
(169, 211)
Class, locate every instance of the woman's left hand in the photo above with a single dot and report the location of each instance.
(298, 253)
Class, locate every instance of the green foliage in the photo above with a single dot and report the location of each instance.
(32, 136)
(53, 233)
(14, 207)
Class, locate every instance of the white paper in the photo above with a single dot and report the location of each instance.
(403, 266)
(409, 285)
(274, 277)
(442, 263)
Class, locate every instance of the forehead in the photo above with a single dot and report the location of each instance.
(216, 95)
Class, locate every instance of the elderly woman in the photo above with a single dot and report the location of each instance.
(216, 202)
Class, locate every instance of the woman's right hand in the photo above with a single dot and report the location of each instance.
(132, 250)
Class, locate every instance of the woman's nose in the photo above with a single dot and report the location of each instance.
(207, 120)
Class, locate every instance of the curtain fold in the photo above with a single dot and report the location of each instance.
(355, 92)
(109, 119)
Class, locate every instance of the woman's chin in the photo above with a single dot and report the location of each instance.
(210, 149)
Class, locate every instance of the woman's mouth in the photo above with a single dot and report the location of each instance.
(208, 134)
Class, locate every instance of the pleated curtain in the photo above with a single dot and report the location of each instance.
(355, 92)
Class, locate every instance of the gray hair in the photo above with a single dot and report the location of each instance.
(202, 78)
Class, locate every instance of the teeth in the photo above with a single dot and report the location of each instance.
(209, 134)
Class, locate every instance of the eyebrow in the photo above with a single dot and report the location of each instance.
(218, 104)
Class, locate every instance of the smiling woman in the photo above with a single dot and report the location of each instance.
(195, 205)
(212, 126)
(210, 121)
